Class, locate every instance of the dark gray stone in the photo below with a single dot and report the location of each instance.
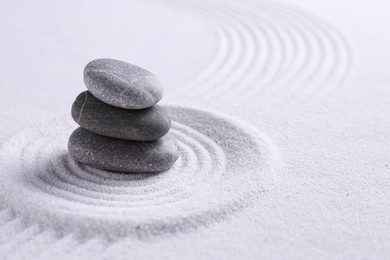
(122, 155)
(122, 84)
(137, 125)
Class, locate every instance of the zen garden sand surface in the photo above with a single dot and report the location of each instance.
(274, 119)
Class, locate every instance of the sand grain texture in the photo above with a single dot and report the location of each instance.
(303, 174)
(221, 170)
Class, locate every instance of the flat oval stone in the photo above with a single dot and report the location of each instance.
(122, 84)
(137, 125)
(122, 155)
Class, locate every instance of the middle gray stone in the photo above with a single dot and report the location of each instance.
(138, 125)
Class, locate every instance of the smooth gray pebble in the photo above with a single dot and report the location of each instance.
(122, 84)
(138, 125)
(123, 155)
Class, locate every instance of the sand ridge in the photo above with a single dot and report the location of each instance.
(278, 67)
(224, 166)
(265, 48)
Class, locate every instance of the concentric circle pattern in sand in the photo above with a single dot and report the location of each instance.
(222, 168)
(268, 48)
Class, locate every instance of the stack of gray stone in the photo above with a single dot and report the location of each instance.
(121, 127)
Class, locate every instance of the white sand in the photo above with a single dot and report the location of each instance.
(223, 167)
(306, 175)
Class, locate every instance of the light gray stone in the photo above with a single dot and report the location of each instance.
(137, 125)
(122, 84)
(122, 155)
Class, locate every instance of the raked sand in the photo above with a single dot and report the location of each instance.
(281, 111)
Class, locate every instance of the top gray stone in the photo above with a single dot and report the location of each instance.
(122, 84)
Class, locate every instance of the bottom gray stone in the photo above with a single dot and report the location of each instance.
(123, 155)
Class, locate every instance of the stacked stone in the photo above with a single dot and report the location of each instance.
(121, 127)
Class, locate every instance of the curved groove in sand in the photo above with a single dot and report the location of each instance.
(220, 56)
(223, 167)
(273, 48)
(261, 48)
